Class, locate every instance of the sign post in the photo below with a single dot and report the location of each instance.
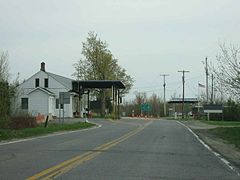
(64, 98)
(213, 108)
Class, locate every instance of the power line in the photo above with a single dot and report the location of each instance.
(169, 83)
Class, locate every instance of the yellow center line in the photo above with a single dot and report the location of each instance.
(67, 165)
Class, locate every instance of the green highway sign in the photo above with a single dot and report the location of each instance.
(146, 107)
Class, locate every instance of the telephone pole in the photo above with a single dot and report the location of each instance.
(212, 94)
(183, 81)
(206, 69)
(164, 96)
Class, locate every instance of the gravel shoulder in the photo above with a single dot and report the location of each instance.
(229, 151)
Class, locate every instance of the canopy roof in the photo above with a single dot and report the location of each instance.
(186, 100)
(97, 84)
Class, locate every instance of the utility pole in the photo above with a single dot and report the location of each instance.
(206, 68)
(207, 74)
(183, 81)
(212, 94)
(164, 94)
(221, 86)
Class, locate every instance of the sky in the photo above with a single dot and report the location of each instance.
(148, 37)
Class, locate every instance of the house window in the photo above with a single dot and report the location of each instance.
(46, 83)
(24, 103)
(57, 104)
(37, 82)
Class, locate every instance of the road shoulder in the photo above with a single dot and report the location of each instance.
(229, 151)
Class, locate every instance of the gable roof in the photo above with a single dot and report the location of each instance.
(67, 82)
(44, 90)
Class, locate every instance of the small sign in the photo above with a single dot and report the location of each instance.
(213, 108)
(64, 98)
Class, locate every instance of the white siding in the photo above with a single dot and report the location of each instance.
(56, 87)
(29, 84)
(53, 85)
(51, 106)
(38, 103)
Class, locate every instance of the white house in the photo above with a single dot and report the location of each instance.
(40, 94)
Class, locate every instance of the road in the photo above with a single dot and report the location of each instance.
(126, 149)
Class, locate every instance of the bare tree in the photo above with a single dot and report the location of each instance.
(4, 66)
(227, 71)
(4, 90)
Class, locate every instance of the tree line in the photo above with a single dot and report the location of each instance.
(133, 107)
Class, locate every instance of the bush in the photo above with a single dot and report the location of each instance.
(22, 122)
(4, 104)
(231, 111)
(4, 121)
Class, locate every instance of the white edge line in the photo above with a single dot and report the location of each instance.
(226, 162)
(50, 135)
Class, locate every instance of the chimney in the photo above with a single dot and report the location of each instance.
(42, 66)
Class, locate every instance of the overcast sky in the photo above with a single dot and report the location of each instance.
(148, 37)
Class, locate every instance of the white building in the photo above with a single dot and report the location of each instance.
(40, 94)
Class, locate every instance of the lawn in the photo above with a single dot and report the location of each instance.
(230, 134)
(6, 134)
(222, 123)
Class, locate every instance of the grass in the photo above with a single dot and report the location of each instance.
(230, 134)
(6, 134)
(222, 123)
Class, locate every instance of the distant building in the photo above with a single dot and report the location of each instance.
(40, 94)
(175, 105)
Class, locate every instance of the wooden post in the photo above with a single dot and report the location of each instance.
(113, 102)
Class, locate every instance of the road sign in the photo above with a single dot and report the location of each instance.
(146, 107)
(213, 108)
(64, 98)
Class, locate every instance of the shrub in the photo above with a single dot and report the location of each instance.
(21, 122)
(4, 104)
(4, 121)
(232, 111)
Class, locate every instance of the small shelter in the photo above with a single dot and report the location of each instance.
(175, 105)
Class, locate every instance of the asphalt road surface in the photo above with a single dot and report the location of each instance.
(126, 149)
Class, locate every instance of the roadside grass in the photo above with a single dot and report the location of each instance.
(7, 134)
(222, 123)
(230, 134)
